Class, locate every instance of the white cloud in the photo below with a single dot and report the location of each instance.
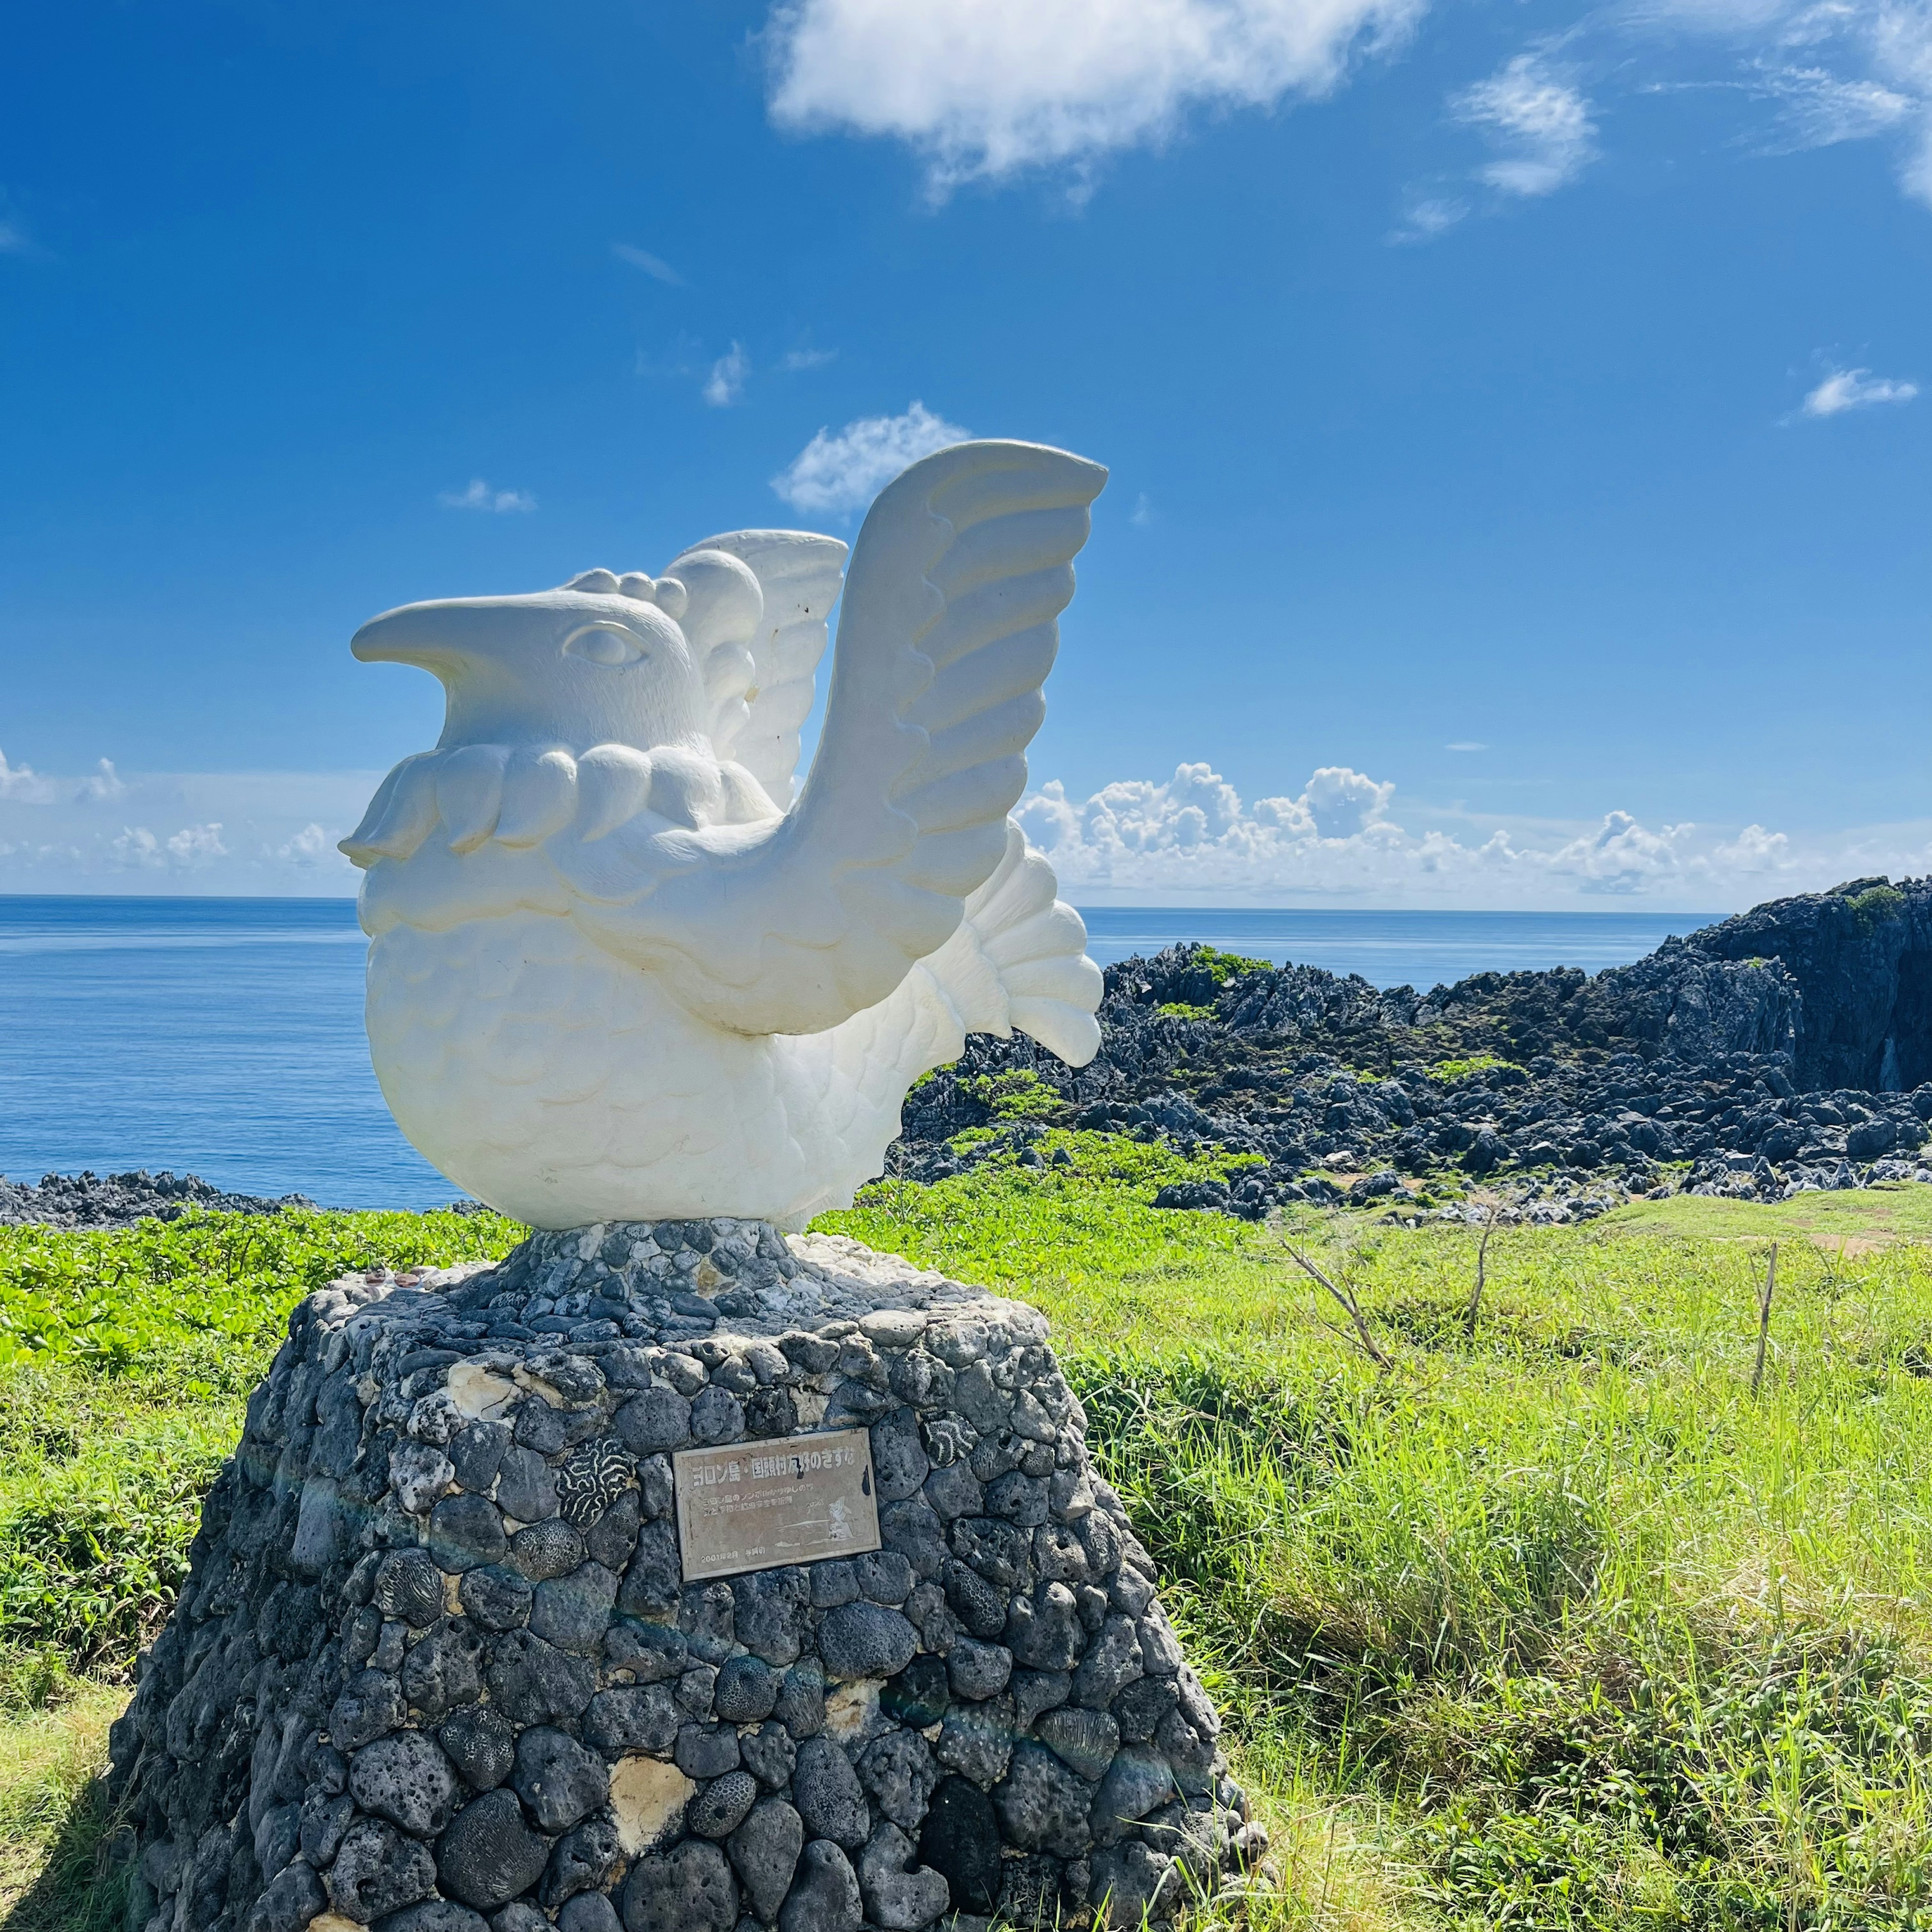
(241, 833)
(844, 472)
(1141, 515)
(1620, 856)
(1819, 109)
(1541, 123)
(726, 383)
(1832, 71)
(193, 847)
(100, 785)
(1343, 803)
(1465, 744)
(311, 846)
(793, 360)
(1430, 216)
(1196, 820)
(13, 239)
(193, 843)
(1854, 389)
(136, 846)
(479, 495)
(22, 783)
(1755, 850)
(986, 90)
(655, 266)
(1194, 836)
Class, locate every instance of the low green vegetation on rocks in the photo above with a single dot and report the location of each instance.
(1018, 1095)
(1877, 904)
(1552, 1621)
(1476, 1063)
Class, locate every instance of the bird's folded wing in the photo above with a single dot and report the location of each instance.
(799, 575)
(948, 630)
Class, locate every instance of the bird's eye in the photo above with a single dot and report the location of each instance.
(604, 644)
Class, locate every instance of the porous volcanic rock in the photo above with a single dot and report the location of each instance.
(1785, 1049)
(435, 1666)
(89, 1200)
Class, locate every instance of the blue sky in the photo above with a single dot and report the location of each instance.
(1520, 417)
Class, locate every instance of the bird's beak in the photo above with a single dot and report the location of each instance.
(439, 636)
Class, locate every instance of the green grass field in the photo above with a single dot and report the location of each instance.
(1551, 1622)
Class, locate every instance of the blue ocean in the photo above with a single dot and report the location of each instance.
(223, 1037)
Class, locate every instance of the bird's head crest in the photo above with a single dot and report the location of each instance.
(605, 658)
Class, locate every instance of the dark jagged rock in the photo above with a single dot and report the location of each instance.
(350, 1709)
(1788, 1048)
(119, 1200)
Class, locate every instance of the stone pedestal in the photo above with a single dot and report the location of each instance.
(437, 1667)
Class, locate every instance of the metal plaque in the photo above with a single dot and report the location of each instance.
(756, 1505)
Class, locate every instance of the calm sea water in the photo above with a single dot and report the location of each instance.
(223, 1037)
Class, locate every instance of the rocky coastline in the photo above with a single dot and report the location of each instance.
(1786, 1049)
(119, 1200)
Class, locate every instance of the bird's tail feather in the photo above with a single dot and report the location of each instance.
(1018, 960)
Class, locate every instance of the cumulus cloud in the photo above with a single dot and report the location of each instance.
(1755, 850)
(1342, 803)
(655, 266)
(192, 848)
(1193, 836)
(1854, 389)
(311, 846)
(1540, 123)
(136, 846)
(479, 495)
(1196, 823)
(194, 845)
(100, 785)
(1620, 856)
(23, 785)
(844, 472)
(986, 91)
(228, 832)
(726, 383)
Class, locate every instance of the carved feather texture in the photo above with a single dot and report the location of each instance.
(800, 577)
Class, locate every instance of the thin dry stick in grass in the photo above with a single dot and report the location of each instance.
(1474, 1308)
(1764, 1295)
(1345, 1296)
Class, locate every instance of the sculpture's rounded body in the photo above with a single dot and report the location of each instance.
(562, 1085)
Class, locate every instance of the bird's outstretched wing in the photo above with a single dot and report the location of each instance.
(948, 630)
(799, 575)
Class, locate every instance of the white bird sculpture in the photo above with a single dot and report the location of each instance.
(616, 972)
